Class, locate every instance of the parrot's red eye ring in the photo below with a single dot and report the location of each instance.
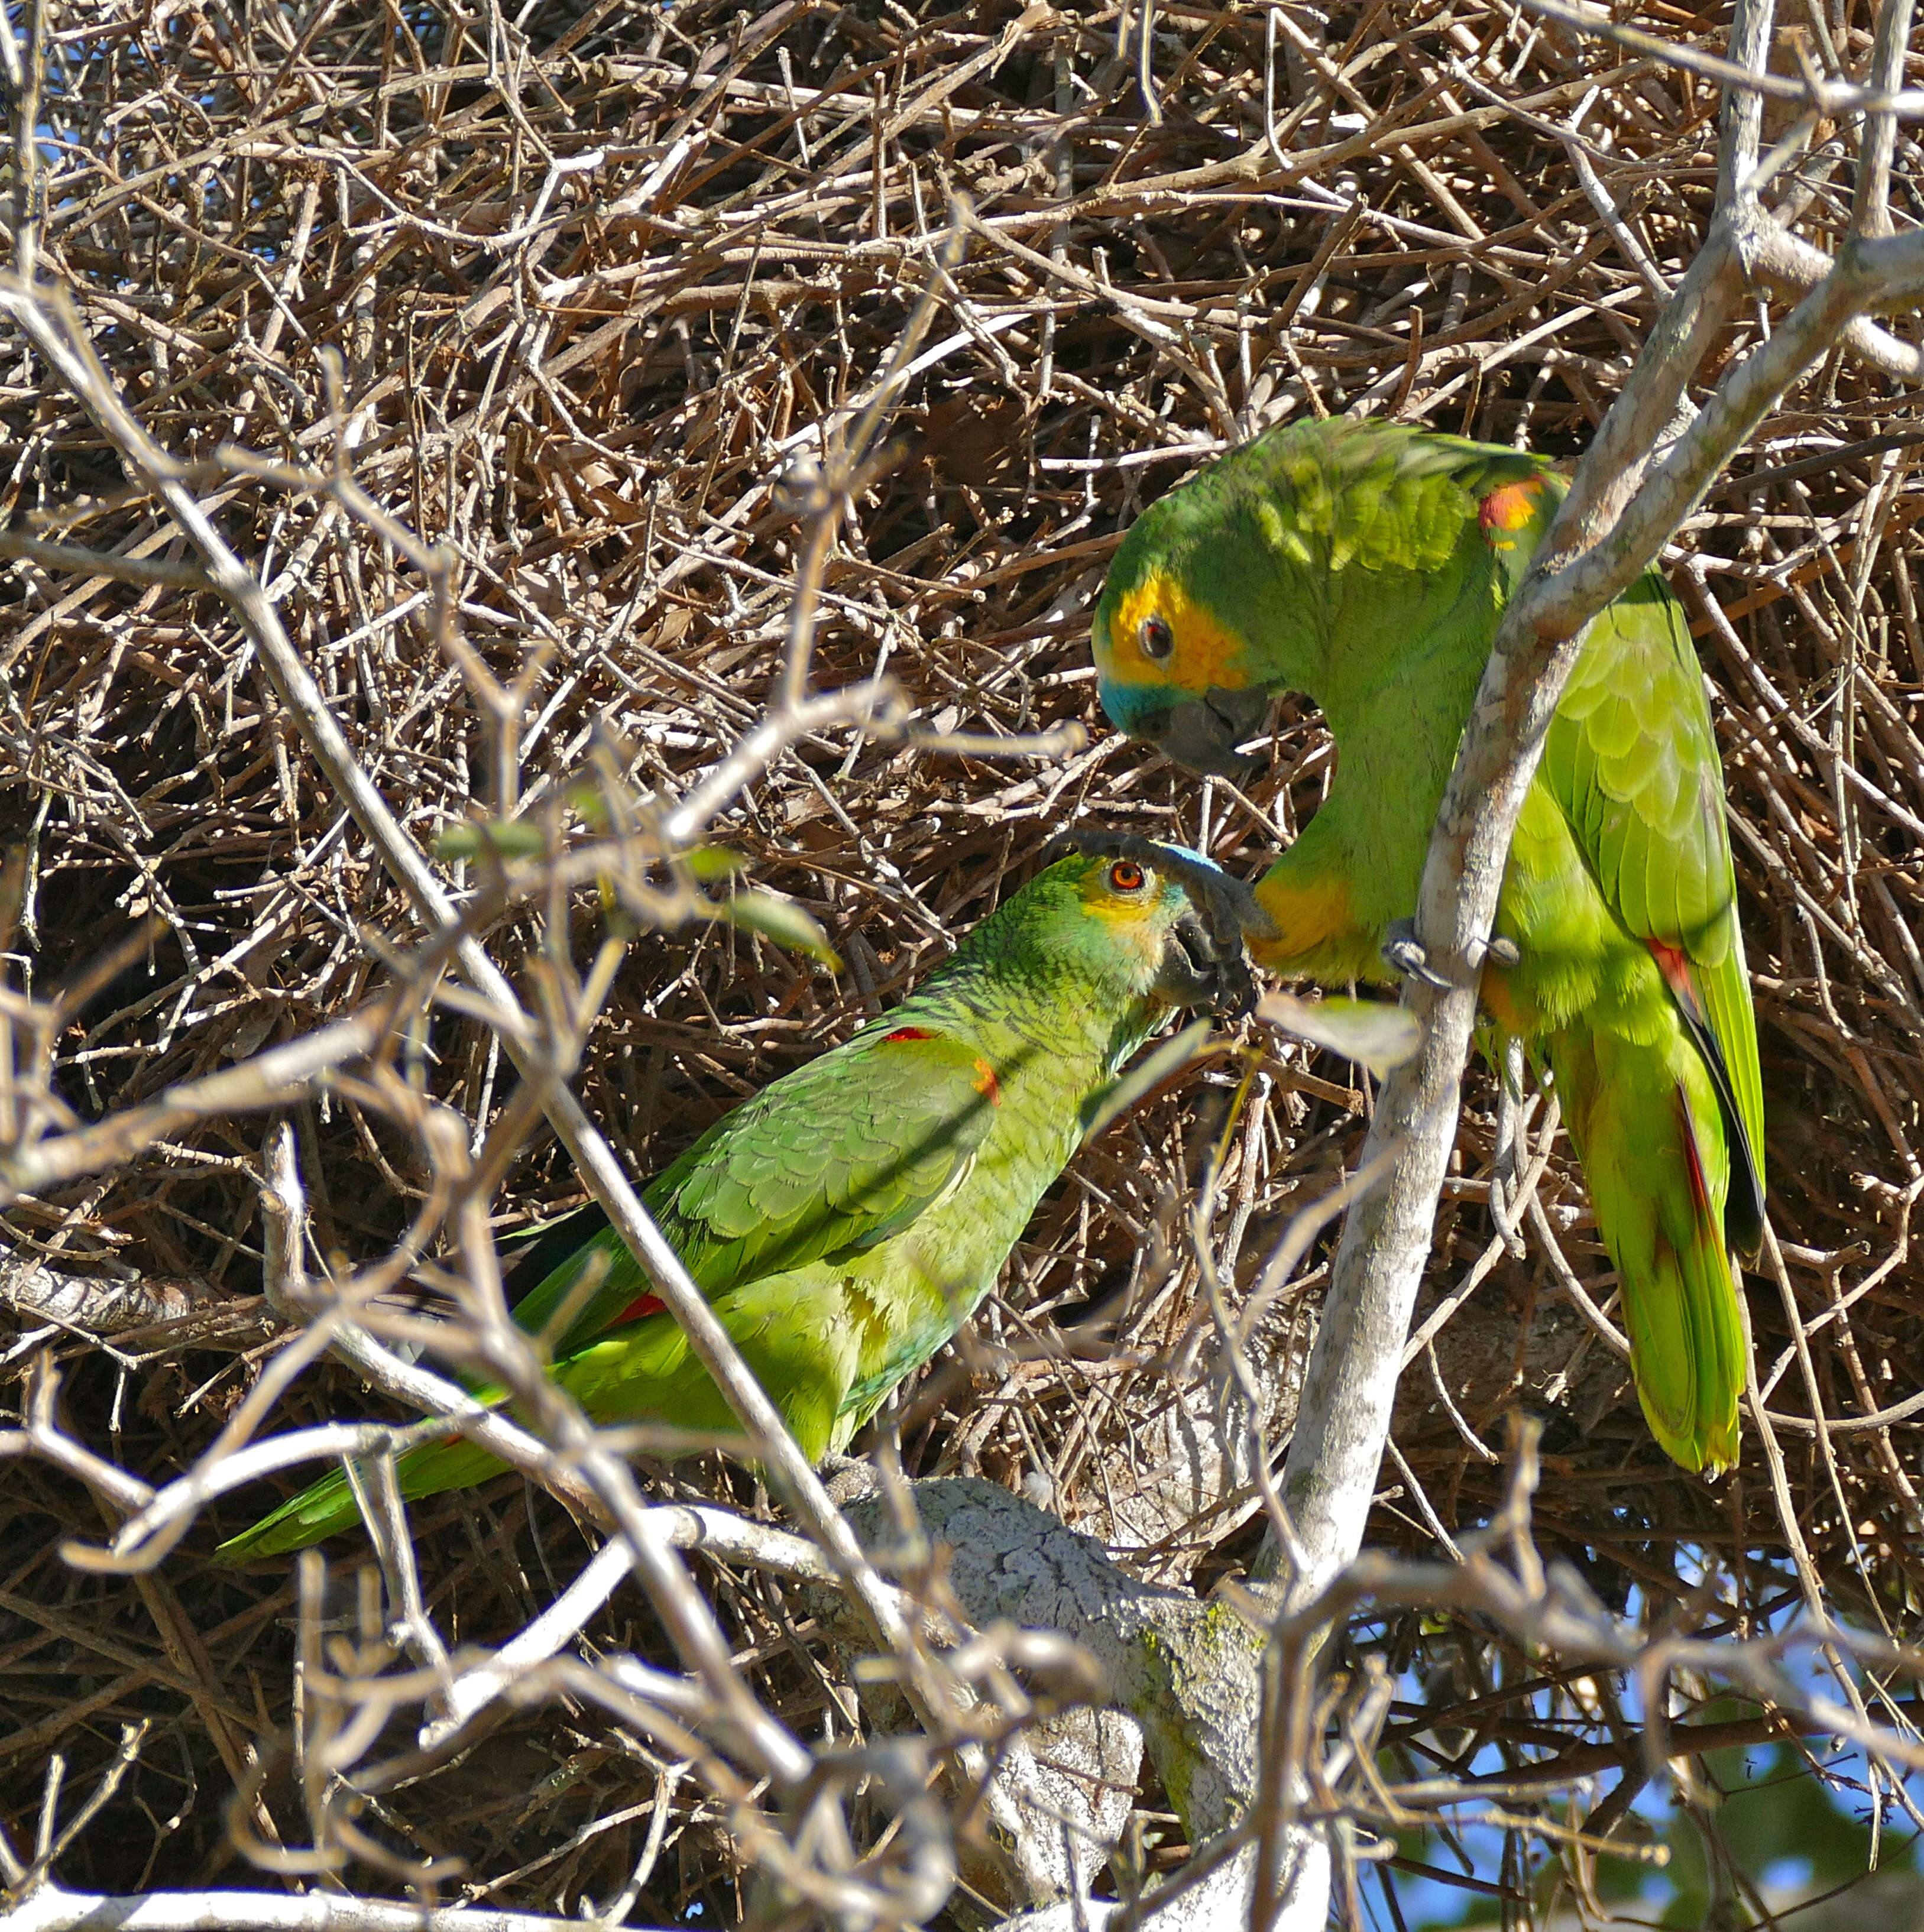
(1126, 876)
(1156, 638)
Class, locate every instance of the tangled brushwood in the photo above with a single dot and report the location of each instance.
(547, 558)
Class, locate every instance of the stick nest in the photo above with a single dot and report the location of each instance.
(596, 277)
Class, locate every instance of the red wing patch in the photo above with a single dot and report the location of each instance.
(1508, 508)
(907, 1033)
(642, 1306)
(1674, 964)
(1743, 1212)
(988, 1084)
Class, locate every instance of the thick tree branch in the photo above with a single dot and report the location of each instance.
(52, 1909)
(1187, 1672)
(133, 1310)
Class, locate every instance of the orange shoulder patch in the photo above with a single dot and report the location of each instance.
(1499, 995)
(1508, 509)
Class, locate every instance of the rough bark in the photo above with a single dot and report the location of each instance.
(1182, 1680)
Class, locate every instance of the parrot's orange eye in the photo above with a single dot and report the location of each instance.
(1156, 638)
(1126, 876)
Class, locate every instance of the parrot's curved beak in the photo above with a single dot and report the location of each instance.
(1199, 972)
(1203, 733)
(1191, 972)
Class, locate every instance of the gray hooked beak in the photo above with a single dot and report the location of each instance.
(1192, 971)
(1203, 733)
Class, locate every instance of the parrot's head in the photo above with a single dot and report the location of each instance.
(1124, 925)
(1174, 667)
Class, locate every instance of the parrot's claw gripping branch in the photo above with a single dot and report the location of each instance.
(1226, 908)
(1407, 954)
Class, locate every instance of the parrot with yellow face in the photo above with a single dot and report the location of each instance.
(1367, 564)
(846, 1221)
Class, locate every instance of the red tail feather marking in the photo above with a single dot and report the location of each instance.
(642, 1305)
(907, 1033)
(1700, 1190)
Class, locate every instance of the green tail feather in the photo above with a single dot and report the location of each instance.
(327, 1508)
(1654, 1153)
(1686, 1351)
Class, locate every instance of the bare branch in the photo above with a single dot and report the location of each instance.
(52, 1910)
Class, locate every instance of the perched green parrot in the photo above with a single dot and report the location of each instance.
(1366, 565)
(847, 1219)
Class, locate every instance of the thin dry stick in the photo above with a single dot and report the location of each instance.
(51, 327)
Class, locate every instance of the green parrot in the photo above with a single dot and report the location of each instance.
(1366, 565)
(847, 1219)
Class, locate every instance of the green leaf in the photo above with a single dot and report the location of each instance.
(1371, 1033)
(507, 838)
(709, 862)
(781, 920)
(1100, 1110)
(590, 806)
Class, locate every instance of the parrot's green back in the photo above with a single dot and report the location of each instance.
(846, 1220)
(1367, 564)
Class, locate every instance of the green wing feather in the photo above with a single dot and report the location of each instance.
(843, 1152)
(840, 1154)
(1376, 494)
(1631, 759)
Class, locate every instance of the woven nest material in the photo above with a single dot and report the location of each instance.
(596, 277)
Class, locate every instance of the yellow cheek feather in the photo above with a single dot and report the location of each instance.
(1130, 922)
(1205, 653)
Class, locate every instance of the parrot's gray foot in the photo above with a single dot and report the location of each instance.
(1403, 950)
(1408, 955)
(1226, 910)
